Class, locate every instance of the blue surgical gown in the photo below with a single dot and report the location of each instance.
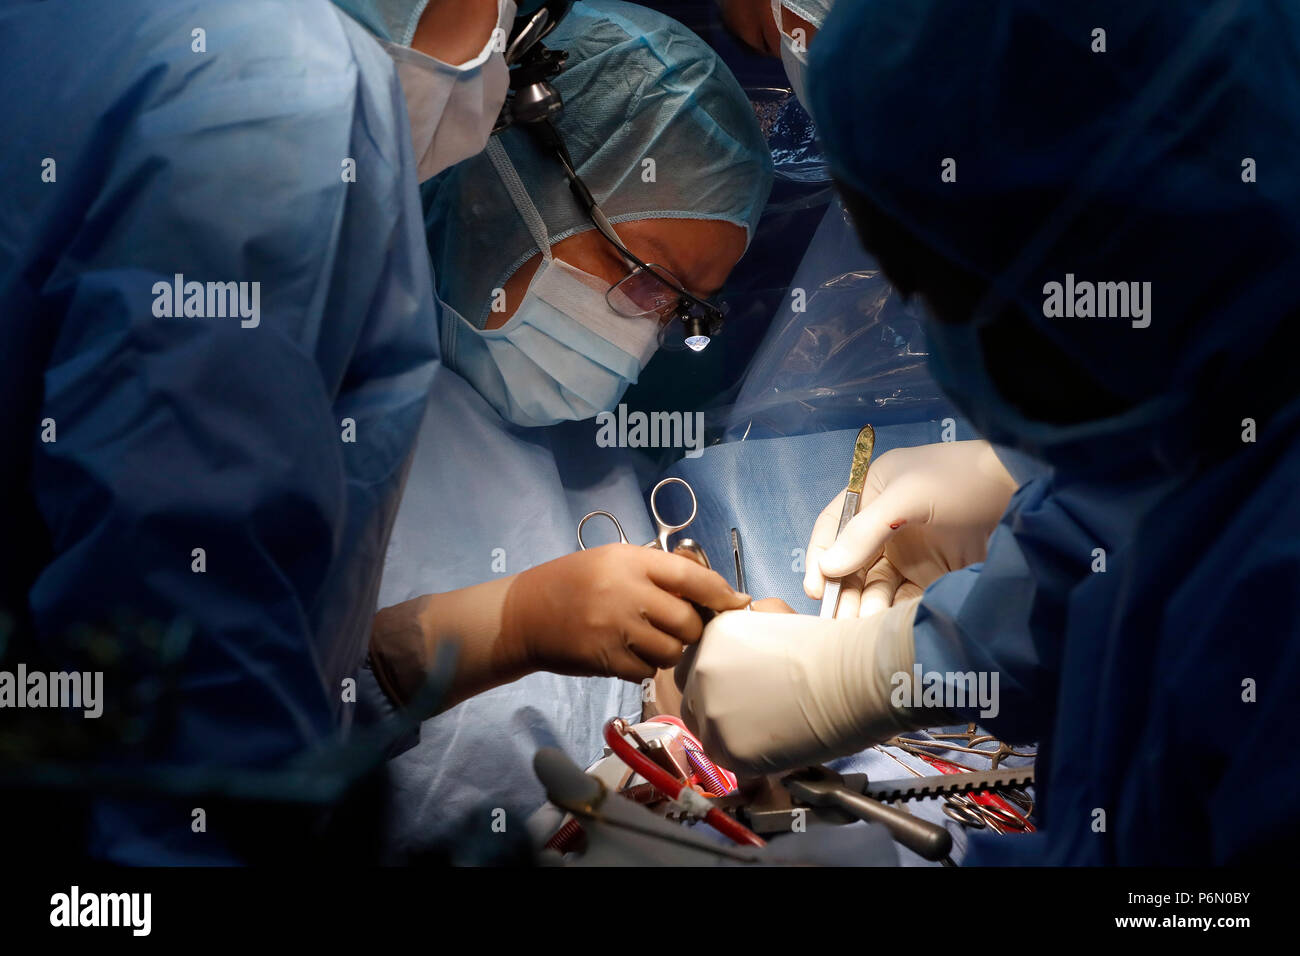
(485, 499)
(1139, 596)
(270, 147)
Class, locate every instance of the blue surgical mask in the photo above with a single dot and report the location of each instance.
(563, 356)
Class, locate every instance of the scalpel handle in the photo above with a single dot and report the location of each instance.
(831, 596)
(863, 448)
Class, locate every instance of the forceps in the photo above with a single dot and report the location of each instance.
(972, 738)
(663, 529)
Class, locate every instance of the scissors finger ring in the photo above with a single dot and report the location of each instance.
(582, 545)
(964, 813)
(662, 527)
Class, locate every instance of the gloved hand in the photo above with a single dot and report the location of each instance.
(925, 511)
(768, 692)
(614, 611)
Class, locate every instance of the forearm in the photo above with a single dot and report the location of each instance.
(773, 691)
(405, 638)
(455, 31)
(596, 613)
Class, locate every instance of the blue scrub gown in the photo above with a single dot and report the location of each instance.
(279, 154)
(1139, 597)
(484, 499)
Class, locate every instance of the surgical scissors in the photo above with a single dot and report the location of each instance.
(663, 529)
(979, 814)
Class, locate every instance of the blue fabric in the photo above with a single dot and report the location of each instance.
(1118, 166)
(183, 433)
(484, 499)
(391, 20)
(638, 85)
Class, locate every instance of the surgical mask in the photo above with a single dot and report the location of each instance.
(794, 56)
(564, 355)
(452, 109)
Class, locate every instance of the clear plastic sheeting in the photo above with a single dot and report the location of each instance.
(843, 349)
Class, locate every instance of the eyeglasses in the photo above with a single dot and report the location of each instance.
(651, 291)
(686, 320)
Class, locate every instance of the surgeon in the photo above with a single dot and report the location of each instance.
(545, 321)
(1109, 270)
(784, 28)
(219, 339)
(566, 253)
(449, 60)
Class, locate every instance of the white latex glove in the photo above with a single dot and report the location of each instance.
(768, 692)
(925, 511)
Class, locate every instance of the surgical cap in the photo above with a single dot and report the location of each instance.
(638, 86)
(391, 20)
(1125, 142)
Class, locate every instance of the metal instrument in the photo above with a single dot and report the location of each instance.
(943, 785)
(863, 448)
(735, 555)
(823, 787)
(982, 811)
(664, 529)
(972, 739)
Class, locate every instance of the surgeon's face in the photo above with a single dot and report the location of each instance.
(700, 253)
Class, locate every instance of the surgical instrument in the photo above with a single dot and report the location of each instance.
(822, 787)
(863, 448)
(980, 811)
(706, 770)
(587, 799)
(735, 555)
(973, 738)
(992, 809)
(683, 797)
(941, 785)
(663, 529)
